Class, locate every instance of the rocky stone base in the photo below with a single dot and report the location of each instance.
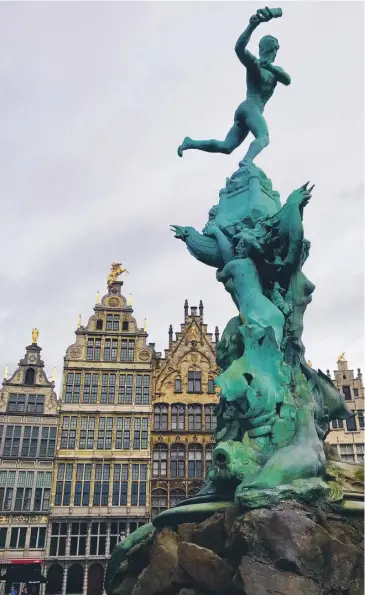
(290, 549)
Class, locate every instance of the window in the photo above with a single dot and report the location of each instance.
(356, 392)
(23, 497)
(159, 502)
(82, 485)
(194, 418)
(195, 461)
(29, 376)
(109, 322)
(139, 484)
(125, 389)
(337, 424)
(3, 534)
(68, 434)
(351, 424)
(161, 417)
(37, 537)
(99, 325)
(347, 392)
(116, 318)
(7, 483)
(177, 461)
(359, 452)
(123, 433)
(131, 350)
(178, 417)
(108, 388)
(107, 348)
(12, 441)
(30, 441)
(125, 325)
(93, 349)
(17, 538)
(360, 417)
(42, 491)
(142, 389)
(120, 485)
(48, 442)
(347, 452)
(87, 433)
(176, 496)
(208, 458)
(58, 539)
(73, 386)
(63, 485)
(194, 382)
(114, 355)
(26, 404)
(118, 530)
(210, 418)
(159, 461)
(98, 539)
(105, 433)
(177, 385)
(90, 392)
(78, 539)
(211, 390)
(101, 486)
(140, 437)
(127, 350)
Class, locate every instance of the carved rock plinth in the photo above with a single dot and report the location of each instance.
(291, 549)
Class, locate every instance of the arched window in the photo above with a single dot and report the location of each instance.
(210, 418)
(195, 418)
(208, 458)
(211, 390)
(159, 502)
(54, 580)
(75, 579)
(161, 417)
(177, 461)
(194, 382)
(195, 461)
(178, 388)
(193, 492)
(178, 417)
(176, 496)
(159, 461)
(95, 577)
(29, 376)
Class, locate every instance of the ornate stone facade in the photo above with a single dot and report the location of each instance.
(102, 475)
(28, 433)
(348, 435)
(183, 412)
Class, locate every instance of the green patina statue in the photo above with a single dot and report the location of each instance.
(262, 78)
(274, 409)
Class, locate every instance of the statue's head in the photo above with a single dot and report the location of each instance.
(268, 48)
(213, 212)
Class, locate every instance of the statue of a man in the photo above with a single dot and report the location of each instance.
(262, 78)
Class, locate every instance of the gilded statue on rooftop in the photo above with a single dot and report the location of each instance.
(115, 271)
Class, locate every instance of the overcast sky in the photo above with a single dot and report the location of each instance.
(94, 100)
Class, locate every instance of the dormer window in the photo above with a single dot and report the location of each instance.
(29, 376)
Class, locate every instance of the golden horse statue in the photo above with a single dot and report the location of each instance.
(116, 270)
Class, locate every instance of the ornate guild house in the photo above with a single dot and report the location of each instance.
(348, 434)
(183, 412)
(28, 429)
(102, 475)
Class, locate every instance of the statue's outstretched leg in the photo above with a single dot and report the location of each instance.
(256, 123)
(234, 138)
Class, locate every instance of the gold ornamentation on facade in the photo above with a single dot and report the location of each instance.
(341, 357)
(113, 302)
(6, 372)
(35, 335)
(75, 352)
(39, 519)
(193, 335)
(20, 520)
(309, 363)
(115, 271)
(4, 520)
